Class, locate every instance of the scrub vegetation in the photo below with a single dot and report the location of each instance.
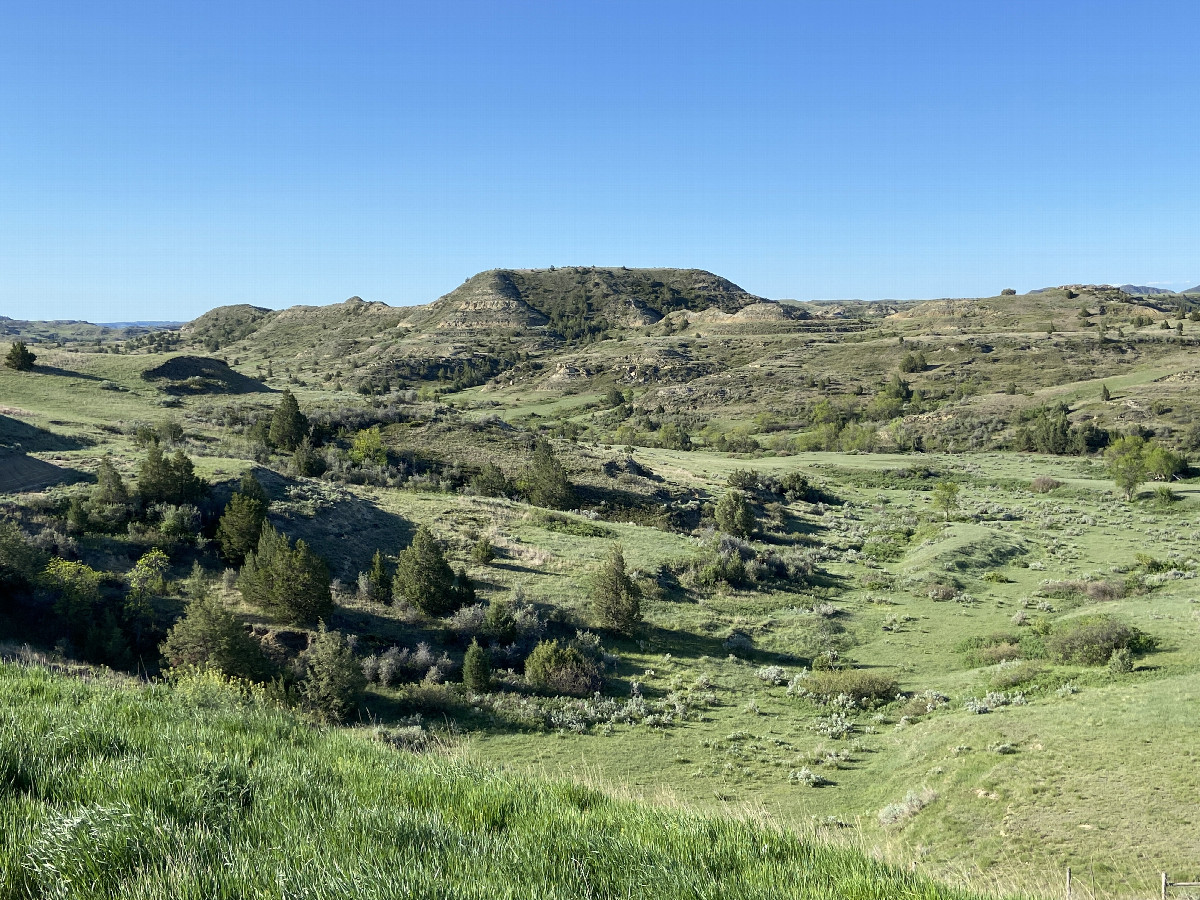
(914, 580)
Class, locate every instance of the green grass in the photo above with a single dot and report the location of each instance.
(110, 790)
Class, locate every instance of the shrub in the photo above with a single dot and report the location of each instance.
(562, 670)
(734, 514)
(913, 803)
(491, 482)
(334, 679)
(772, 674)
(1091, 640)
(20, 560)
(1014, 674)
(860, 685)
(482, 552)
(148, 575)
(499, 623)
(1044, 484)
(477, 674)
(208, 636)
(1121, 661)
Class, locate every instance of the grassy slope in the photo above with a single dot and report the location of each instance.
(1081, 760)
(109, 790)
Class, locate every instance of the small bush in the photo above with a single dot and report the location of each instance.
(772, 674)
(1121, 661)
(562, 670)
(858, 684)
(1011, 675)
(1091, 640)
(1044, 484)
(913, 803)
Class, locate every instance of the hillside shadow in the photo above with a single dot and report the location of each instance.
(203, 375)
(342, 528)
(19, 435)
(65, 373)
(24, 474)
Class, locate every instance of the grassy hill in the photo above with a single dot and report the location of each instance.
(992, 759)
(110, 790)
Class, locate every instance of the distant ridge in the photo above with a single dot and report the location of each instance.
(1143, 289)
(575, 299)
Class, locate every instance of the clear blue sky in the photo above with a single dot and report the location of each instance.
(162, 158)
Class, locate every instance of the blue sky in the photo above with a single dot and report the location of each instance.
(159, 159)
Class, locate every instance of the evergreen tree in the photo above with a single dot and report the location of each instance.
(292, 582)
(462, 588)
(734, 514)
(334, 679)
(499, 625)
(209, 636)
(110, 488)
(288, 425)
(1105, 395)
(424, 578)
(306, 461)
(252, 489)
(615, 598)
(184, 485)
(380, 579)
(544, 481)
(240, 527)
(477, 674)
(154, 476)
(19, 357)
(491, 482)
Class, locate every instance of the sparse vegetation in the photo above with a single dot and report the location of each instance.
(809, 610)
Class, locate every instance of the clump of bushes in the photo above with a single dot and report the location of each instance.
(1044, 484)
(1009, 675)
(1091, 640)
(564, 668)
(987, 650)
(860, 685)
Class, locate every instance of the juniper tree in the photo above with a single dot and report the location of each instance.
(20, 357)
(544, 481)
(333, 678)
(292, 582)
(424, 578)
(110, 488)
(615, 598)
(477, 674)
(734, 514)
(240, 527)
(380, 579)
(288, 425)
(209, 636)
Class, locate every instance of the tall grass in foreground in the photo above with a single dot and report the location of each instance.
(204, 791)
